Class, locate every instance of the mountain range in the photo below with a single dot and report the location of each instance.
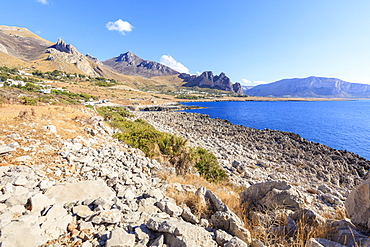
(21, 48)
(313, 87)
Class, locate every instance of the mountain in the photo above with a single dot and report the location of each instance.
(321, 87)
(21, 43)
(208, 80)
(130, 64)
(246, 88)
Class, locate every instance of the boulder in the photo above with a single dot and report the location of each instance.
(222, 237)
(80, 191)
(358, 205)
(120, 238)
(169, 207)
(230, 223)
(21, 234)
(273, 195)
(181, 234)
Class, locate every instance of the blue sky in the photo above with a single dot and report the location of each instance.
(249, 40)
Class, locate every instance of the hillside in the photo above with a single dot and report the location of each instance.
(314, 87)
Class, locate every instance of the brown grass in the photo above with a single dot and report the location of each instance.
(27, 122)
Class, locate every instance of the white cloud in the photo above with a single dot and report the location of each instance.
(246, 82)
(173, 64)
(199, 73)
(42, 1)
(120, 26)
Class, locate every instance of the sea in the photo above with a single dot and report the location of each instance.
(343, 125)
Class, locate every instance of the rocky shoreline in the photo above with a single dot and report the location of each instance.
(252, 155)
(96, 191)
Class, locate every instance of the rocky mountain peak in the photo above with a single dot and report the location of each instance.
(208, 80)
(130, 64)
(64, 47)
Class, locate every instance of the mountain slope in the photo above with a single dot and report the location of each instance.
(208, 80)
(20, 43)
(311, 87)
(130, 64)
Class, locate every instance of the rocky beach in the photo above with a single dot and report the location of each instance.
(66, 182)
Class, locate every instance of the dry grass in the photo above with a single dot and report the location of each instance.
(27, 122)
(270, 228)
(227, 193)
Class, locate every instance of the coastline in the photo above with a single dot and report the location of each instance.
(251, 155)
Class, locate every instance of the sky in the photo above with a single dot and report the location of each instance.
(251, 41)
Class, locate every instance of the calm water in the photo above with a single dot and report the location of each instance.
(341, 125)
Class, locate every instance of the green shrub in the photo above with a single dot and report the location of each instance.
(140, 134)
(208, 166)
(29, 100)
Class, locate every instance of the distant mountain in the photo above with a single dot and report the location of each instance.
(320, 87)
(208, 80)
(246, 88)
(130, 64)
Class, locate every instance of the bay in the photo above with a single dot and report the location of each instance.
(343, 125)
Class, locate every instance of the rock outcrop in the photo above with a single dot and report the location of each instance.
(358, 205)
(208, 80)
(67, 53)
(130, 64)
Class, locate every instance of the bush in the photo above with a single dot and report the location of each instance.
(208, 166)
(155, 144)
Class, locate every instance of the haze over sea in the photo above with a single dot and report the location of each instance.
(343, 125)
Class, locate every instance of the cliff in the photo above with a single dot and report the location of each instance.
(208, 80)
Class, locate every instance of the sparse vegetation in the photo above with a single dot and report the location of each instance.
(163, 146)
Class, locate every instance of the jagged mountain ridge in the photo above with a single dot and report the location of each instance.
(130, 64)
(321, 87)
(208, 80)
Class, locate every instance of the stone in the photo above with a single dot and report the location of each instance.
(169, 207)
(19, 234)
(107, 217)
(80, 191)
(5, 149)
(216, 202)
(82, 211)
(87, 244)
(120, 238)
(320, 242)
(222, 237)
(40, 201)
(236, 242)
(358, 205)
(85, 226)
(13, 145)
(307, 217)
(230, 223)
(50, 128)
(21, 180)
(188, 216)
(158, 242)
(180, 233)
(345, 233)
(57, 221)
(272, 195)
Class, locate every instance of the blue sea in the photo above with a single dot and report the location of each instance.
(343, 125)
